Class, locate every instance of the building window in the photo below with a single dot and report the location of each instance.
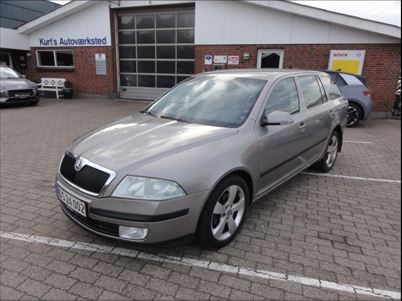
(55, 58)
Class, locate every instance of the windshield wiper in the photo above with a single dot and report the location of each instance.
(173, 118)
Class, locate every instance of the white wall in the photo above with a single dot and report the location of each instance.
(232, 22)
(91, 22)
(136, 3)
(10, 38)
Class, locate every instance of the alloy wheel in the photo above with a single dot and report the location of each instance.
(332, 151)
(228, 212)
(353, 116)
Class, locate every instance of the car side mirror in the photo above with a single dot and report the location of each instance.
(276, 118)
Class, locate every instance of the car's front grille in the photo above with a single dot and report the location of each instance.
(88, 178)
(98, 226)
(21, 93)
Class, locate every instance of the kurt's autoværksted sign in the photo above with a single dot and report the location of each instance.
(94, 41)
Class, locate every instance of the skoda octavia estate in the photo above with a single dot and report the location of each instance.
(194, 160)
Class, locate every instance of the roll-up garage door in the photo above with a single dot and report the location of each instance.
(155, 51)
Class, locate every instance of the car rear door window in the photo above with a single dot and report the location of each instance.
(330, 87)
(311, 91)
(283, 97)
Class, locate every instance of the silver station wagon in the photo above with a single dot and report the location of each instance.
(193, 161)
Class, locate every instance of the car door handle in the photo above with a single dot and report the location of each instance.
(331, 114)
(302, 125)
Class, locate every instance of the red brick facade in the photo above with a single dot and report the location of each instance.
(83, 74)
(382, 64)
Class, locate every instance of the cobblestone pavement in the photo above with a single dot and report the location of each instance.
(334, 229)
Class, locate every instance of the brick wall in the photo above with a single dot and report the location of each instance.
(382, 64)
(83, 75)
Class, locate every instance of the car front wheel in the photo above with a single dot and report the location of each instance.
(224, 213)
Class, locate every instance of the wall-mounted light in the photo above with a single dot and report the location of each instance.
(246, 56)
(29, 54)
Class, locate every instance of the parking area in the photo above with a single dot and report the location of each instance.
(329, 236)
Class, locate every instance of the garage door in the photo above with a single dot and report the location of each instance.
(155, 52)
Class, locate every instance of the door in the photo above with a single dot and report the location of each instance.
(270, 58)
(318, 116)
(155, 51)
(280, 146)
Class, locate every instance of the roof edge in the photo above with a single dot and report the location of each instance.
(331, 17)
(55, 15)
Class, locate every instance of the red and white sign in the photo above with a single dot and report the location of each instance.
(233, 60)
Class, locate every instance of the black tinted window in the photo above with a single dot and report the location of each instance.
(311, 90)
(330, 87)
(283, 97)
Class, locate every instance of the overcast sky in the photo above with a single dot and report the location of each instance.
(382, 11)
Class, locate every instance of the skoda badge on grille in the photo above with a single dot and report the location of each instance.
(78, 164)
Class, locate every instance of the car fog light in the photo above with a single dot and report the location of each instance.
(133, 233)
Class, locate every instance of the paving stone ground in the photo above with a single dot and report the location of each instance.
(334, 229)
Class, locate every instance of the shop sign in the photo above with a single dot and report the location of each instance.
(350, 61)
(233, 60)
(208, 59)
(87, 41)
(100, 63)
(220, 59)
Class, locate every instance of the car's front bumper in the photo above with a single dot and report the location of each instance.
(12, 100)
(165, 220)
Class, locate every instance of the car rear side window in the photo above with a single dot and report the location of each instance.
(283, 97)
(351, 79)
(311, 91)
(330, 87)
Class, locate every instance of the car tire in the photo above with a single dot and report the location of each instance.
(224, 213)
(331, 153)
(354, 115)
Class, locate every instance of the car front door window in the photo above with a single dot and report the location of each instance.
(283, 97)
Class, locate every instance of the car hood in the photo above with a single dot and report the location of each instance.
(140, 139)
(16, 84)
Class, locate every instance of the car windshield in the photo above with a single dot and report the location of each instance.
(220, 100)
(8, 73)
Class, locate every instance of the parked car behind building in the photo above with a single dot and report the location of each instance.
(356, 91)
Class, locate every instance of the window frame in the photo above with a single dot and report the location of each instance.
(274, 86)
(55, 51)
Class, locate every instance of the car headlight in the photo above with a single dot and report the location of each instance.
(147, 189)
(4, 94)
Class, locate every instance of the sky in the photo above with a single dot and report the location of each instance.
(383, 11)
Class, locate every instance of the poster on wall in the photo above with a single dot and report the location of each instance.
(208, 59)
(233, 60)
(220, 59)
(350, 61)
(100, 63)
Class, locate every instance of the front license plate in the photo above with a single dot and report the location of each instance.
(71, 202)
(22, 95)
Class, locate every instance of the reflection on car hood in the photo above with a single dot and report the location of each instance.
(16, 84)
(140, 139)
